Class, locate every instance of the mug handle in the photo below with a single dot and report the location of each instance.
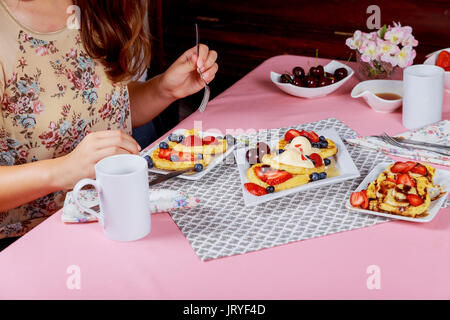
(76, 191)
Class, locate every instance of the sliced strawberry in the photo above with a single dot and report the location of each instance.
(275, 177)
(311, 135)
(291, 134)
(165, 154)
(184, 156)
(254, 189)
(209, 140)
(406, 180)
(443, 59)
(357, 199)
(192, 141)
(391, 180)
(317, 159)
(420, 169)
(415, 200)
(403, 167)
(259, 173)
(365, 204)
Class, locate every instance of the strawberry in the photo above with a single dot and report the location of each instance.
(209, 140)
(359, 199)
(291, 134)
(415, 200)
(272, 176)
(312, 136)
(420, 169)
(443, 60)
(276, 177)
(405, 179)
(403, 167)
(391, 180)
(185, 156)
(254, 189)
(192, 141)
(317, 159)
(165, 154)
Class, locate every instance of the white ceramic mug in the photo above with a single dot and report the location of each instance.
(122, 185)
(423, 95)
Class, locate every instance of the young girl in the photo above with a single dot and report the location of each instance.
(68, 97)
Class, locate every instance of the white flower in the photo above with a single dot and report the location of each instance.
(356, 41)
(386, 47)
(409, 41)
(369, 51)
(395, 35)
(405, 57)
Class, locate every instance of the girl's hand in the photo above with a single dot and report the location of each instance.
(182, 78)
(79, 164)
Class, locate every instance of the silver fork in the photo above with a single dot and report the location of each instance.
(207, 92)
(389, 140)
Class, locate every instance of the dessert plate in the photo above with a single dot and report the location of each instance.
(441, 178)
(217, 159)
(344, 164)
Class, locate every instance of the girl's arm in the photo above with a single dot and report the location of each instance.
(148, 99)
(24, 183)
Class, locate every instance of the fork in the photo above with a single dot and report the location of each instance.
(207, 92)
(389, 140)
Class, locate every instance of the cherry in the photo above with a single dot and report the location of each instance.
(311, 82)
(340, 73)
(298, 82)
(255, 155)
(285, 78)
(323, 81)
(298, 72)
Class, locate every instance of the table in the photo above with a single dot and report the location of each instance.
(414, 259)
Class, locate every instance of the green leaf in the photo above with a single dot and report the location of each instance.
(383, 31)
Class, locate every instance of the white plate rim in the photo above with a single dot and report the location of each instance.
(199, 175)
(380, 167)
(351, 172)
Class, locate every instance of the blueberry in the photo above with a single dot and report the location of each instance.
(164, 145)
(327, 162)
(315, 145)
(323, 175)
(173, 137)
(199, 156)
(198, 167)
(149, 161)
(219, 138)
(280, 151)
(315, 176)
(230, 139)
(180, 139)
(322, 138)
(174, 158)
(323, 144)
(270, 189)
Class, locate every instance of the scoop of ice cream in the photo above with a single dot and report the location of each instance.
(303, 145)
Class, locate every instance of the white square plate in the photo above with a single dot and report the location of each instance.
(344, 164)
(217, 159)
(441, 178)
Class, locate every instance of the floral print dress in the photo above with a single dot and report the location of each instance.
(52, 94)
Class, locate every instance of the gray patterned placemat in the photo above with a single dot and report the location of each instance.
(222, 226)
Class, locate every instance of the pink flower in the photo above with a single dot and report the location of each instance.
(24, 154)
(42, 51)
(395, 35)
(410, 41)
(369, 51)
(73, 53)
(3, 146)
(38, 107)
(49, 138)
(105, 110)
(405, 57)
(79, 85)
(97, 81)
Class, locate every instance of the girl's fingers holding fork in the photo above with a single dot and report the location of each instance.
(210, 74)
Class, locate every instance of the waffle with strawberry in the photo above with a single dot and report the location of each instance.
(402, 189)
(327, 147)
(169, 159)
(192, 142)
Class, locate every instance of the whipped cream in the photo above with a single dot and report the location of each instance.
(295, 153)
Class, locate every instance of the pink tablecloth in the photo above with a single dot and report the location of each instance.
(413, 259)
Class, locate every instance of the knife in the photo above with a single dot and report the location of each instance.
(169, 176)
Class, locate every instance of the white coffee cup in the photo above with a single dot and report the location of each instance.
(423, 95)
(122, 185)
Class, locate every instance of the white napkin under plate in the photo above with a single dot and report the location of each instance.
(161, 200)
(435, 133)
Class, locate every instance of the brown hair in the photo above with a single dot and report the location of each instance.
(115, 33)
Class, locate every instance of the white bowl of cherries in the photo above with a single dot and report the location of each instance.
(318, 82)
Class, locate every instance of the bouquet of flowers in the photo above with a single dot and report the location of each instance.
(379, 52)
